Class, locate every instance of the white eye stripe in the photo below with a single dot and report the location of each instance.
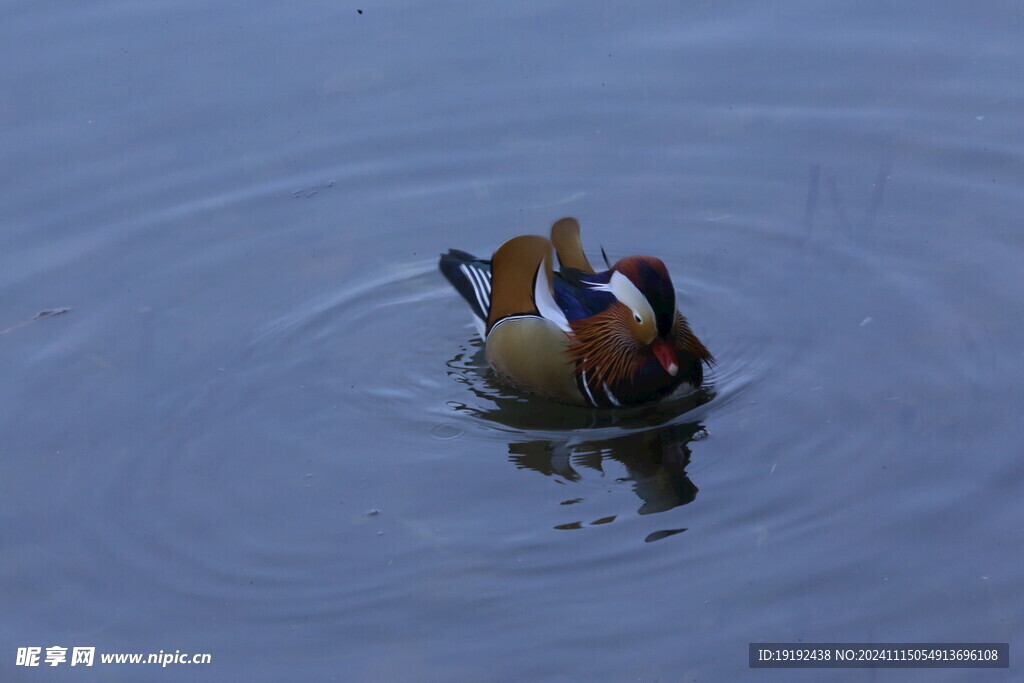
(626, 292)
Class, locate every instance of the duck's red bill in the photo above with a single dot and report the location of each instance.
(666, 355)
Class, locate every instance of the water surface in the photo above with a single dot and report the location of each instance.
(263, 429)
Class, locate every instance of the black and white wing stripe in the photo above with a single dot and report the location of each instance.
(596, 396)
(471, 277)
(480, 281)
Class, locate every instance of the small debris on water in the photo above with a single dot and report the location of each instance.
(37, 316)
(372, 512)
(48, 313)
(312, 190)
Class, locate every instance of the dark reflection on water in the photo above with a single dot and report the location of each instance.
(656, 461)
(651, 442)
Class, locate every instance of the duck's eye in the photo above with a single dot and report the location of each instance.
(637, 318)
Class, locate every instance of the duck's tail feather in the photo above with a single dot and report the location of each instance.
(471, 277)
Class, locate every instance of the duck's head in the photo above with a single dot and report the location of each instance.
(642, 284)
(638, 326)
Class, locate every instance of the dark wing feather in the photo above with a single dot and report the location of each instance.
(576, 296)
(471, 277)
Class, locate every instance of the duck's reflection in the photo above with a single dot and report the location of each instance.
(655, 462)
(650, 442)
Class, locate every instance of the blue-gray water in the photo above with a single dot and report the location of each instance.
(263, 431)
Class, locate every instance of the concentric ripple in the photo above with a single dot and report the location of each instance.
(399, 355)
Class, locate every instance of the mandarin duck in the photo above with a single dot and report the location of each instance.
(598, 339)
